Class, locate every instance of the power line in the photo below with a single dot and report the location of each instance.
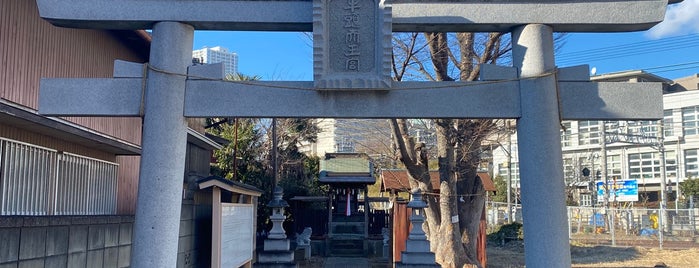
(625, 50)
(625, 47)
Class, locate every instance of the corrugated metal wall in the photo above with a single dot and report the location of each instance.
(15, 133)
(127, 189)
(31, 48)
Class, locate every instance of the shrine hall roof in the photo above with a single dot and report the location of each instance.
(397, 179)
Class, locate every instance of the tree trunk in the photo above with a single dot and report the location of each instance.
(453, 215)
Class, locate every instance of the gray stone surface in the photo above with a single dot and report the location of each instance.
(57, 261)
(11, 221)
(32, 243)
(31, 263)
(9, 251)
(465, 16)
(111, 257)
(35, 221)
(187, 212)
(8, 265)
(406, 100)
(464, 100)
(275, 257)
(111, 235)
(186, 227)
(125, 232)
(611, 101)
(124, 256)
(95, 238)
(77, 259)
(95, 258)
(185, 243)
(121, 92)
(340, 262)
(538, 136)
(59, 220)
(417, 246)
(164, 149)
(127, 69)
(78, 238)
(417, 258)
(352, 45)
(277, 244)
(206, 71)
(57, 240)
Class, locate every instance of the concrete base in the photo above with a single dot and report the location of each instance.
(403, 265)
(275, 265)
(417, 257)
(417, 246)
(277, 245)
(275, 257)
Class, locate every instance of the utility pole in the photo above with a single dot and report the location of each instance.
(509, 172)
(662, 219)
(610, 213)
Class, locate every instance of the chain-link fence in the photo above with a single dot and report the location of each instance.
(671, 228)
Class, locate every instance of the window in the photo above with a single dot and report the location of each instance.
(613, 165)
(40, 181)
(345, 145)
(647, 165)
(503, 171)
(566, 132)
(586, 200)
(643, 128)
(690, 120)
(691, 163)
(588, 132)
(668, 126)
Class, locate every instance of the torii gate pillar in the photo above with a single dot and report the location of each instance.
(156, 227)
(538, 134)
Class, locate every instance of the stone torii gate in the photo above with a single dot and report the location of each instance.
(352, 40)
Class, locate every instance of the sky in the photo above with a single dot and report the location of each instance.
(670, 49)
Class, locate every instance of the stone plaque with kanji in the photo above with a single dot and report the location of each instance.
(351, 44)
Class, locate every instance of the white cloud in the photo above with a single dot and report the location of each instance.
(680, 19)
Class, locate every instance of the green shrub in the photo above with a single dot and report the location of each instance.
(508, 232)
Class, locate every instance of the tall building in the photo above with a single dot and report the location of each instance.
(218, 55)
(370, 136)
(632, 147)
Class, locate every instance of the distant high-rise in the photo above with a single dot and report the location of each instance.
(218, 54)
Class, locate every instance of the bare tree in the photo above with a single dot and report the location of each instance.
(453, 215)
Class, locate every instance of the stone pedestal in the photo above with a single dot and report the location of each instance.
(277, 250)
(417, 249)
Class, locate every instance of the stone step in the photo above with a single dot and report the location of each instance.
(275, 257)
(347, 247)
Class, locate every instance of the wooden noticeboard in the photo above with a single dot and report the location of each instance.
(237, 234)
(232, 224)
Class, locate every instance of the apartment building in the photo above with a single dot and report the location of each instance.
(217, 54)
(635, 150)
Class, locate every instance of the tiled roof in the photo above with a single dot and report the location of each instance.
(345, 163)
(397, 179)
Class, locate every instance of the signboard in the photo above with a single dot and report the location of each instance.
(620, 190)
(237, 234)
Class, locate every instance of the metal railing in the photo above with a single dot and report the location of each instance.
(619, 226)
(27, 176)
(40, 181)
